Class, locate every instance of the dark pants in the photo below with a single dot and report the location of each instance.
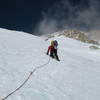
(54, 54)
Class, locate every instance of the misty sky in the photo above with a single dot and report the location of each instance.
(46, 16)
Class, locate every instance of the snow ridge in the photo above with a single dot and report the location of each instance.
(75, 77)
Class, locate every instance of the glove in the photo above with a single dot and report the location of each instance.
(47, 53)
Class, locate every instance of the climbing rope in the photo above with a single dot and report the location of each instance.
(31, 73)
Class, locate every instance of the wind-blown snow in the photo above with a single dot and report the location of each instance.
(75, 77)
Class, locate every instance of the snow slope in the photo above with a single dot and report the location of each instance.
(75, 77)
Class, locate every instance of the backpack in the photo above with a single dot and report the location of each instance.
(52, 43)
(55, 43)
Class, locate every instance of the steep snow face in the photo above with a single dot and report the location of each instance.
(75, 77)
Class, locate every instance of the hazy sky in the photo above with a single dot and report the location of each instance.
(46, 16)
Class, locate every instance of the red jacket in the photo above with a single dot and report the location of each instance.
(50, 49)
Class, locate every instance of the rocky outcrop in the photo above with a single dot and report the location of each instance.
(94, 47)
(75, 34)
(78, 36)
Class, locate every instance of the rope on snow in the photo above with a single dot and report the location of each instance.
(31, 73)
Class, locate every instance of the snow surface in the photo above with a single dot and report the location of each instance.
(75, 77)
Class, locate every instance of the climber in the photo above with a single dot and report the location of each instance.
(53, 50)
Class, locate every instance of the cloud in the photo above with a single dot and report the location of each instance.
(46, 25)
(90, 16)
(82, 15)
